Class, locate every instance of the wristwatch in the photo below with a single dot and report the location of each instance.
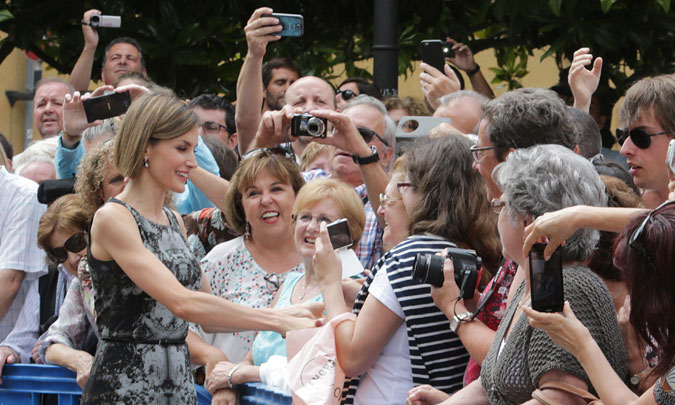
(457, 319)
(368, 159)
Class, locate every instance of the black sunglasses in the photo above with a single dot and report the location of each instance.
(640, 137)
(74, 244)
(635, 240)
(269, 151)
(368, 135)
(346, 94)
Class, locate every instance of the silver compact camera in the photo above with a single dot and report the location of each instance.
(309, 125)
(108, 21)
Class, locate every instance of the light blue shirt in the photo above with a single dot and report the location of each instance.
(67, 160)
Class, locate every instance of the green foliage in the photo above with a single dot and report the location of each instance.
(198, 46)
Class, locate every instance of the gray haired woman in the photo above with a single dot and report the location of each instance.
(521, 359)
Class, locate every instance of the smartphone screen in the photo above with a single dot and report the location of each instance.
(106, 106)
(546, 280)
(432, 53)
(340, 237)
(292, 24)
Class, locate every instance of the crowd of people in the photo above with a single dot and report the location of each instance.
(181, 240)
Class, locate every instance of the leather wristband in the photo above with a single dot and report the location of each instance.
(474, 70)
(366, 160)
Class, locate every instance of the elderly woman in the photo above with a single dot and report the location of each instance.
(319, 201)
(71, 340)
(398, 342)
(645, 251)
(534, 181)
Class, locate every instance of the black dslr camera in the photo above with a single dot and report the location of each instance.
(428, 269)
(309, 125)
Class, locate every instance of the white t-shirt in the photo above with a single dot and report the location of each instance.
(389, 379)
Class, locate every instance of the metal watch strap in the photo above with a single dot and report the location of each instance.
(457, 320)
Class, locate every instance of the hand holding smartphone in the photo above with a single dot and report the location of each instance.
(546, 280)
(434, 52)
(293, 25)
(106, 106)
(340, 237)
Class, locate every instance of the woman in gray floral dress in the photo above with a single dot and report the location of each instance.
(144, 275)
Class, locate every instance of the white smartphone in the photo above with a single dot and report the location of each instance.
(340, 237)
(670, 156)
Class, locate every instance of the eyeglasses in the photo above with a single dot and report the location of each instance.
(477, 152)
(368, 135)
(306, 218)
(640, 137)
(272, 281)
(346, 94)
(211, 127)
(403, 184)
(497, 204)
(74, 244)
(388, 201)
(269, 151)
(635, 240)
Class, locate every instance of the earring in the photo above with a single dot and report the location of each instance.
(145, 162)
(247, 231)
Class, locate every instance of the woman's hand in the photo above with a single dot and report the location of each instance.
(552, 228)
(217, 379)
(224, 396)
(426, 395)
(301, 316)
(83, 369)
(565, 331)
(327, 265)
(435, 84)
(447, 294)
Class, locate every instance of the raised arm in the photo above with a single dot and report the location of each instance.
(464, 60)
(81, 74)
(559, 225)
(114, 236)
(259, 31)
(584, 82)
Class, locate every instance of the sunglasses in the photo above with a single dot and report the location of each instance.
(640, 137)
(346, 94)
(635, 240)
(74, 244)
(368, 135)
(269, 151)
(272, 281)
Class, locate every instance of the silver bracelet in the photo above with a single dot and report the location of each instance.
(230, 374)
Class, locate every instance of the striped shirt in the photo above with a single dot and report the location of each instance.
(437, 356)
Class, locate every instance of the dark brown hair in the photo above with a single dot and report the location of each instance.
(651, 281)
(452, 199)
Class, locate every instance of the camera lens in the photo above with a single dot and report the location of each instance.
(315, 127)
(95, 20)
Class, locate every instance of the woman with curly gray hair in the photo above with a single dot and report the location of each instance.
(521, 359)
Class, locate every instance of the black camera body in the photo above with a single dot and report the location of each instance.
(309, 125)
(428, 269)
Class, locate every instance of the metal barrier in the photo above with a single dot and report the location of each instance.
(24, 384)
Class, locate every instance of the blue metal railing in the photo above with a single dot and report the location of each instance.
(24, 384)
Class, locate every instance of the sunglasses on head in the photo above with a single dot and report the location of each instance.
(74, 244)
(635, 240)
(368, 135)
(640, 137)
(346, 94)
(269, 151)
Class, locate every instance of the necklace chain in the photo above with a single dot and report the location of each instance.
(304, 286)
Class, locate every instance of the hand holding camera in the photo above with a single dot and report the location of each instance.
(344, 135)
(465, 263)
